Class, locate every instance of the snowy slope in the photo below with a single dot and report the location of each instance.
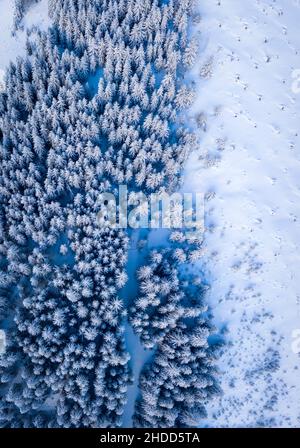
(249, 164)
(13, 46)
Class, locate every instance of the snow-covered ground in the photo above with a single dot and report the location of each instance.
(249, 166)
(13, 46)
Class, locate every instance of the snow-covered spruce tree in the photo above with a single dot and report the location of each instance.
(93, 105)
(168, 314)
(165, 298)
(20, 9)
(179, 382)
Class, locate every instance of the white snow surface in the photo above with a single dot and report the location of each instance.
(13, 46)
(248, 164)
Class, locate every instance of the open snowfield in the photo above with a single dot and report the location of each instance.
(249, 164)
